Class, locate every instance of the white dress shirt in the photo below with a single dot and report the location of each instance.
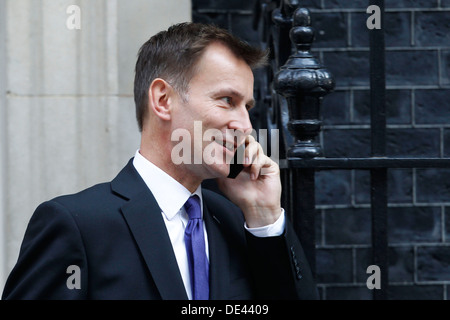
(171, 196)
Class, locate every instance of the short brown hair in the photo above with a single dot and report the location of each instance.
(173, 54)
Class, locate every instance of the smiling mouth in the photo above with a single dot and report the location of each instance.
(227, 145)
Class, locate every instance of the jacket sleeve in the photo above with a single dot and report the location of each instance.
(52, 261)
(279, 267)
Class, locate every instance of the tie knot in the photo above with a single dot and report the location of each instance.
(193, 208)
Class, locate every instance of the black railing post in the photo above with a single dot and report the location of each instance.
(378, 133)
(303, 82)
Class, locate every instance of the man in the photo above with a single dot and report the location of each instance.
(135, 237)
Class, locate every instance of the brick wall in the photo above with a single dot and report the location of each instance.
(418, 110)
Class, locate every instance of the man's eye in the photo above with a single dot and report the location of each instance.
(227, 100)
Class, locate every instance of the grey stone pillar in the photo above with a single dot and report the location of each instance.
(66, 99)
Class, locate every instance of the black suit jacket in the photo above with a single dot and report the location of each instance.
(114, 232)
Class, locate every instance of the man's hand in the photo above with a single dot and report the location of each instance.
(257, 189)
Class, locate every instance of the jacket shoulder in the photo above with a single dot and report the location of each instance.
(87, 197)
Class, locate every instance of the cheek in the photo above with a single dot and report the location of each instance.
(216, 117)
(185, 116)
(204, 110)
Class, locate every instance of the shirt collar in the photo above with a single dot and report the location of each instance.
(169, 193)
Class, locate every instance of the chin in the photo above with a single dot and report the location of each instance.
(219, 170)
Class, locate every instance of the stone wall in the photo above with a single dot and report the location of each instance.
(417, 78)
(66, 99)
(418, 110)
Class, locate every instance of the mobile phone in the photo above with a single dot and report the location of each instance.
(237, 165)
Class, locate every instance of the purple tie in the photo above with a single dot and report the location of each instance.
(195, 248)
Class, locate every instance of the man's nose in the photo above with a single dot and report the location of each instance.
(242, 122)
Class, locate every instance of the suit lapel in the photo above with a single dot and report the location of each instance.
(144, 219)
(218, 256)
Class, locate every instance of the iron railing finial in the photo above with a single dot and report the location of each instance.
(303, 81)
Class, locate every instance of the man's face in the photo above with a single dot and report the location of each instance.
(219, 97)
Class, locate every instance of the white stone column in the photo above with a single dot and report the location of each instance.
(3, 160)
(67, 116)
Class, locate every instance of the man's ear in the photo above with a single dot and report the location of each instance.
(160, 97)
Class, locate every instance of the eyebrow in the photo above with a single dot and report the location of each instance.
(235, 93)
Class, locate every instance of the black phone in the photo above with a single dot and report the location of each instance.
(237, 165)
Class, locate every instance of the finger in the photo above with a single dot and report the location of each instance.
(261, 166)
(260, 162)
(270, 167)
(251, 151)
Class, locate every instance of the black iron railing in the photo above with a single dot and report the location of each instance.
(295, 86)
